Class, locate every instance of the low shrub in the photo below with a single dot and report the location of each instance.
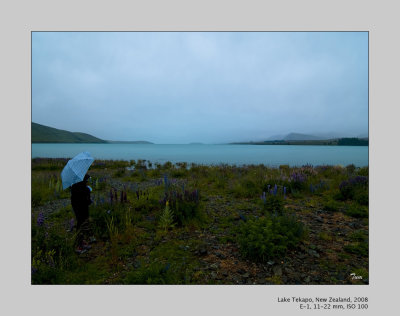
(298, 181)
(52, 251)
(359, 235)
(269, 237)
(331, 206)
(361, 197)
(350, 168)
(184, 205)
(364, 171)
(353, 187)
(274, 204)
(357, 211)
(359, 248)
(246, 188)
(154, 273)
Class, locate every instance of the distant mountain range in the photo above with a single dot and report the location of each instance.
(305, 139)
(299, 136)
(46, 134)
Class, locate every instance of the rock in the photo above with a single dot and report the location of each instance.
(313, 253)
(288, 270)
(277, 270)
(236, 279)
(220, 255)
(214, 266)
(246, 275)
(302, 255)
(340, 277)
(136, 264)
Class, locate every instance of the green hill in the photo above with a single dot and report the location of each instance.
(46, 134)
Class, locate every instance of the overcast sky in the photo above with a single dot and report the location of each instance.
(211, 87)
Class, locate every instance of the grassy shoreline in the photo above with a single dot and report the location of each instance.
(222, 224)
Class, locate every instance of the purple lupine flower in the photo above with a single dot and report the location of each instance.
(71, 224)
(358, 180)
(263, 197)
(343, 184)
(40, 219)
(111, 196)
(284, 192)
(298, 177)
(275, 189)
(166, 181)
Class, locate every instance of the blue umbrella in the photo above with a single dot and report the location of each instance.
(75, 169)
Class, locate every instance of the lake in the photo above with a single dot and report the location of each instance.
(269, 155)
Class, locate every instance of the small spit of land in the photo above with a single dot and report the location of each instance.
(180, 224)
(325, 142)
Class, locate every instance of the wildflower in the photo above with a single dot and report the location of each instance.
(40, 219)
(263, 197)
(111, 196)
(166, 181)
(71, 224)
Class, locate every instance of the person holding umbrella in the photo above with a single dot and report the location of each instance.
(80, 200)
(75, 175)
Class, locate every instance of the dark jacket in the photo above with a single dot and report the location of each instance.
(80, 196)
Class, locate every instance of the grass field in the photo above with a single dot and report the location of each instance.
(196, 224)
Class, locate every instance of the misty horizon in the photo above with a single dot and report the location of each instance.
(213, 87)
(326, 136)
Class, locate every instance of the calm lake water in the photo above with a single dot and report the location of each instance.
(269, 155)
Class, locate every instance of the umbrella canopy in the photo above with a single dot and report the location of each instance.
(75, 169)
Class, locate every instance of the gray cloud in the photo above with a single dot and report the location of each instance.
(208, 87)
